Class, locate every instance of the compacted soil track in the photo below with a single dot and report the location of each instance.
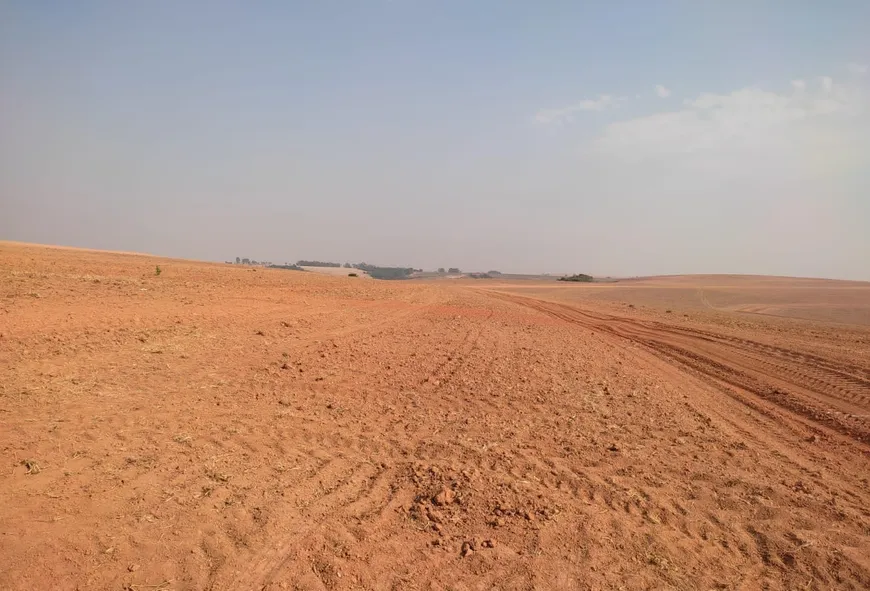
(825, 391)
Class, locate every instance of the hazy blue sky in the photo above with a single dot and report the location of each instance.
(606, 137)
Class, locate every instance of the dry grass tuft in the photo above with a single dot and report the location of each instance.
(32, 466)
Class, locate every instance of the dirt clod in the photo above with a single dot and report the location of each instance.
(445, 496)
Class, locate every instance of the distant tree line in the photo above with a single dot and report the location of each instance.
(317, 264)
(578, 278)
(385, 272)
(487, 275)
(246, 261)
(373, 270)
(288, 266)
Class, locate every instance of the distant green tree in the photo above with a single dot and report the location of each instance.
(578, 278)
(288, 266)
(453, 271)
(317, 264)
(441, 270)
(386, 272)
(238, 261)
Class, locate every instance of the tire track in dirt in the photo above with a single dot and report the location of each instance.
(446, 371)
(853, 374)
(821, 390)
(348, 495)
(339, 490)
(847, 397)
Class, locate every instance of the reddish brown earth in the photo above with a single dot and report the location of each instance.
(220, 427)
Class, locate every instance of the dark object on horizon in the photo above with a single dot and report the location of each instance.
(578, 278)
(454, 271)
(286, 266)
(385, 272)
(238, 261)
(441, 270)
(353, 275)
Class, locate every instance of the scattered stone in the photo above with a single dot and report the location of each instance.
(133, 568)
(613, 447)
(489, 543)
(467, 549)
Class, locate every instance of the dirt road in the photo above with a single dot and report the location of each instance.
(215, 427)
(826, 391)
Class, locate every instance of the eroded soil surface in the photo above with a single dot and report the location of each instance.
(222, 427)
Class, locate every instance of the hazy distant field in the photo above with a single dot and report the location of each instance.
(826, 300)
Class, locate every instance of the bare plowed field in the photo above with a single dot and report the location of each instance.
(220, 427)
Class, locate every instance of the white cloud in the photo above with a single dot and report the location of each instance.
(566, 114)
(857, 69)
(739, 117)
(753, 180)
(662, 92)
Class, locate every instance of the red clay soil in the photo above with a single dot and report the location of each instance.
(223, 427)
